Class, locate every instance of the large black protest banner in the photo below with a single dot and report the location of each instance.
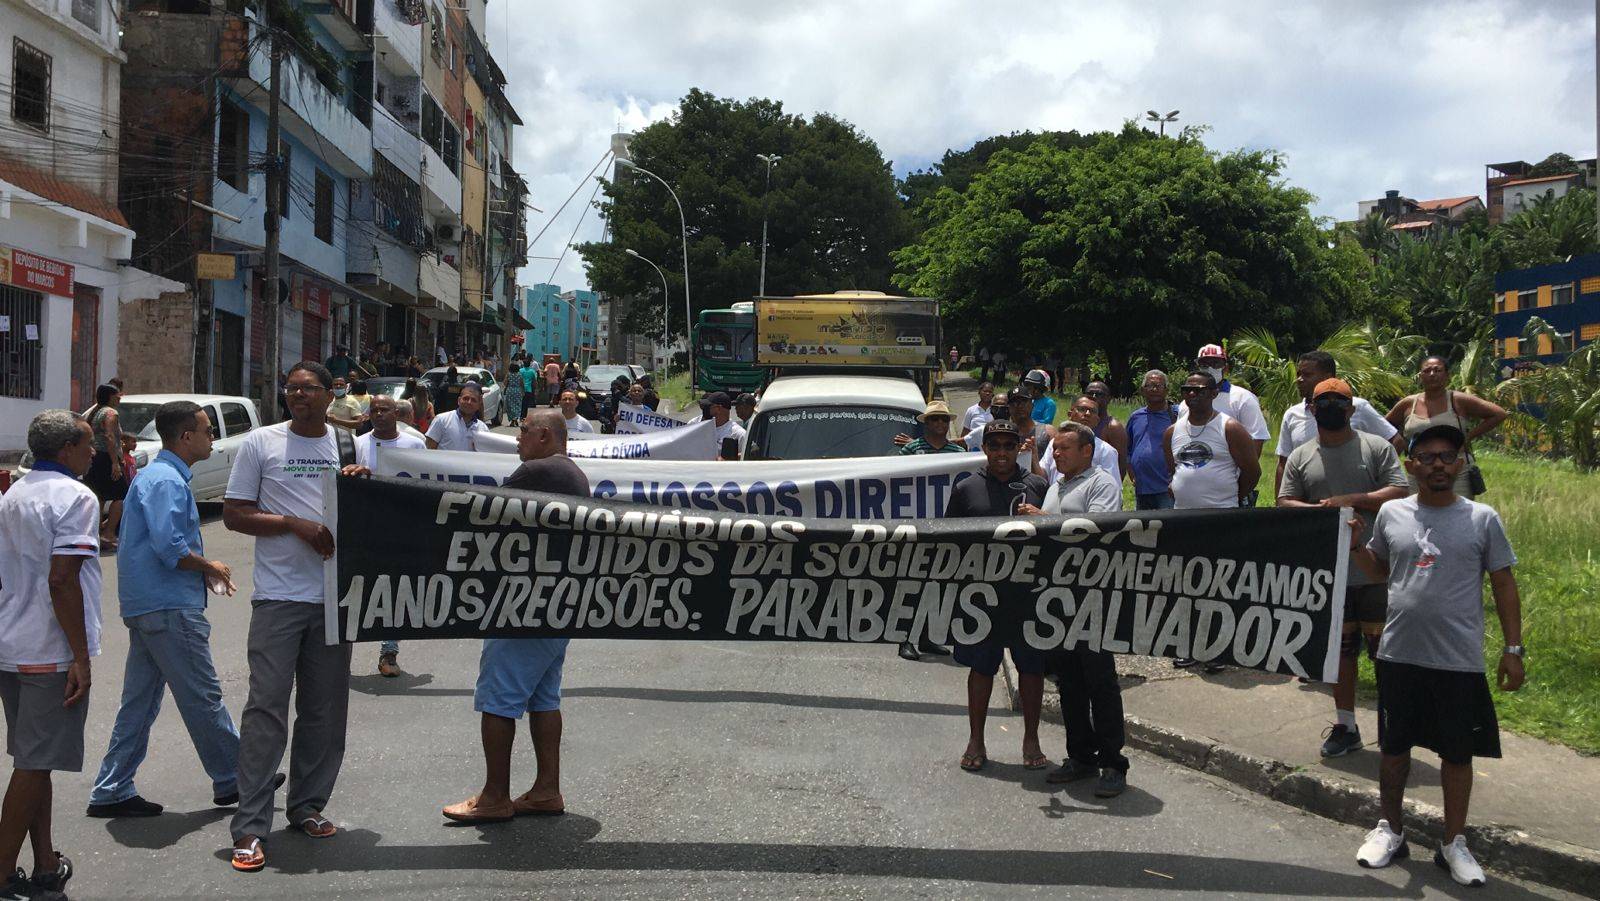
(1259, 588)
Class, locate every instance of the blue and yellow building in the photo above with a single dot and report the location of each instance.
(1564, 295)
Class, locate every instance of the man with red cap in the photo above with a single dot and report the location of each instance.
(1235, 401)
(1346, 468)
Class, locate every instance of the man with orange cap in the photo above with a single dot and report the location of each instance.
(1346, 468)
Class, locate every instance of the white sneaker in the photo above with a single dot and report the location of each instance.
(1382, 846)
(1459, 861)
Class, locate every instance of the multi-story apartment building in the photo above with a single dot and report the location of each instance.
(374, 141)
(64, 285)
(1566, 296)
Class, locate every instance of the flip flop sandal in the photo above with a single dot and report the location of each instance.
(317, 826)
(1035, 762)
(973, 762)
(522, 808)
(249, 858)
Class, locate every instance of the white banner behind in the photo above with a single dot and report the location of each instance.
(863, 488)
(693, 442)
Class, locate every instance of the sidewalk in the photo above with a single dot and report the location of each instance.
(1534, 811)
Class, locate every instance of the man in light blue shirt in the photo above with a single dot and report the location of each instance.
(161, 582)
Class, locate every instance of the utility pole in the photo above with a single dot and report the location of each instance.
(770, 159)
(269, 293)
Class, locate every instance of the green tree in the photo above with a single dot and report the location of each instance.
(1131, 244)
(956, 169)
(1375, 360)
(834, 213)
(1554, 164)
(1568, 397)
(1550, 230)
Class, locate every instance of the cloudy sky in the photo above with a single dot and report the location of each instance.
(1362, 96)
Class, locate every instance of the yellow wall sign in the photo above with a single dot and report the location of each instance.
(860, 332)
(215, 265)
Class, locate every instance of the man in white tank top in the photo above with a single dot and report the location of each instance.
(1213, 460)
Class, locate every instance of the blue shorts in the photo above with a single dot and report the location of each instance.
(519, 674)
(984, 657)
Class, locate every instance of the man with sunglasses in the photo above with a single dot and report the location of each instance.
(1345, 468)
(1237, 402)
(1001, 488)
(1214, 462)
(1433, 549)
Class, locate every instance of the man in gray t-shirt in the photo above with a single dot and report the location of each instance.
(1342, 467)
(1433, 551)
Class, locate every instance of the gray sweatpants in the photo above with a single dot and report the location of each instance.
(286, 650)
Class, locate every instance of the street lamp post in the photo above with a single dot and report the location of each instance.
(1153, 116)
(683, 225)
(771, 159)
(665, 334)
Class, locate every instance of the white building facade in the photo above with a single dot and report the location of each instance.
(61, 235)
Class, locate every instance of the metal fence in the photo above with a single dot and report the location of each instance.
(21, 343)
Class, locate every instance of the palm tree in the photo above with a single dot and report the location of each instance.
(1375, 360)
(1568, 396)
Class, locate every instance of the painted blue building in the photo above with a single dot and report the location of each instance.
(1565, 295)
(565, 323)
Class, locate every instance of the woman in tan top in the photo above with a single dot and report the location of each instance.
(1439, 405)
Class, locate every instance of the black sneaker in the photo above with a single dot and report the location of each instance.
(232, 797)
(1340, 740)
(1112, 783)
(1070, 771)
(17, 888)
(1214, 667)
(1183, 662)
(937, 650)
(908, 651)
(54, 881)
(133, 807)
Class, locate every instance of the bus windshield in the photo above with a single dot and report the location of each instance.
(734, 344)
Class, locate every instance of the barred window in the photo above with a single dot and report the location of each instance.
(324, 208)
(21, 343)
(30, 85)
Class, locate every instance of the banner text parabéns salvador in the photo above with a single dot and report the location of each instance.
(1259, 589)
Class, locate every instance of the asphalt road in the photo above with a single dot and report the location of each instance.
(696, 770)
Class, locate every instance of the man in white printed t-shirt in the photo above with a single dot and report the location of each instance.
(49, 628)
(1234, 401)
(275, 494)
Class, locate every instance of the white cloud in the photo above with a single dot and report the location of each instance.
(1361, 95)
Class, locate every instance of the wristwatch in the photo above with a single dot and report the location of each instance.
(1515, 650)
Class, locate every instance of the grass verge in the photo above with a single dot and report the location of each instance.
(1552, 515)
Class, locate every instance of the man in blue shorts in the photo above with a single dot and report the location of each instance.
(1001, 488)
(524, 674)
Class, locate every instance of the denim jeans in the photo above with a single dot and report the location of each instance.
(389, 646)
(1161, 501)
(169, 649)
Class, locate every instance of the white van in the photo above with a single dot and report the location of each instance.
(821, 417)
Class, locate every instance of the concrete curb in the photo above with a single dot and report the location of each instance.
(1505, 848)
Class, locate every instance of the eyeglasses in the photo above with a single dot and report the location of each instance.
(1001, 445)
(935, 419)
(1193, 389)
(1428, 458)
(302, 389)
(1096, 393)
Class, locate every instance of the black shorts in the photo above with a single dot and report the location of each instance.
(984, 657)
(99, 479)
(1366, 606)
(1448, 712)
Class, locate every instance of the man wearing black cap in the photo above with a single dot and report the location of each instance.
(1433, 549)
(720, 406)
(1000, 489)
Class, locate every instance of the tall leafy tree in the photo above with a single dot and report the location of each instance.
(834, 215)
(956, 169)
(1132, 244)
